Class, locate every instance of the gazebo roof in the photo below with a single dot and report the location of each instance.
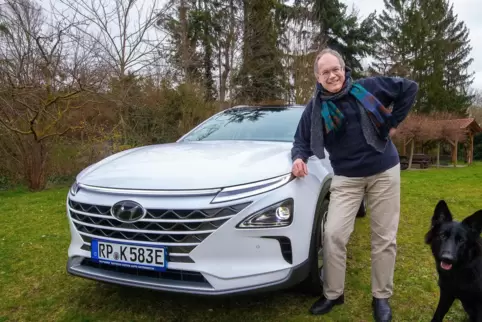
(466, 124)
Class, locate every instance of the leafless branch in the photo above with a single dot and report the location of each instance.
(120, 28)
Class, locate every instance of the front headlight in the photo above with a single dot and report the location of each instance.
(251, 189)
(277, 215)
(74, 188)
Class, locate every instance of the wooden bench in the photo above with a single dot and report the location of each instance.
(421, 159)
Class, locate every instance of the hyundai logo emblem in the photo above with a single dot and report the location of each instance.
(128, 211)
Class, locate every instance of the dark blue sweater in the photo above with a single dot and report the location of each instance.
(349, 153)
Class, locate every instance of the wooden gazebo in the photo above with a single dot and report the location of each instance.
(468, 127)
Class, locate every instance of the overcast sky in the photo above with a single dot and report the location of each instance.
(468, 11)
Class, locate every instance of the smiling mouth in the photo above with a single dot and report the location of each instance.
(445, 266)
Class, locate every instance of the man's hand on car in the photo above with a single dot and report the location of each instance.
(299, 168)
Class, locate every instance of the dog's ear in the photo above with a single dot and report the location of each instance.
(429, 236)
(441, 213)
(474, 221)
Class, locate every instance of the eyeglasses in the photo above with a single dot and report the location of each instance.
(327, 73)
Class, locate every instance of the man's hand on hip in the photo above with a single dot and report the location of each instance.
(299, 168)
(392, 132)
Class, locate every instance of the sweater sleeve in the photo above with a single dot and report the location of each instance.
(301, 146)
(400, 92)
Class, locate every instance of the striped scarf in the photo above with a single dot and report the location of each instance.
(334, 118)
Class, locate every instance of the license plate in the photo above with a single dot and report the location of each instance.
(129, 255)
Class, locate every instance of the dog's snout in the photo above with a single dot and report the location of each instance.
(447, 257)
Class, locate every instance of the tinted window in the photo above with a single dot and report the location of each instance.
(255, 124)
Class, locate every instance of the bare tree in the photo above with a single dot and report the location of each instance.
(42, 75)
(122, 31)
(410, 131)
(444, 127)
(228, 46)
(123, 34)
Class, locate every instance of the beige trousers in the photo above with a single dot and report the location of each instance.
(383, 196)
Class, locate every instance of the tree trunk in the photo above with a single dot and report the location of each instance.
(471, 148)
(412, 149)
(184, 40)
(438, 154)
(226, 52)
(454, 152)
(35, 158)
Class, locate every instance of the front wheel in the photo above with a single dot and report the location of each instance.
(362, 211)
(313, 284)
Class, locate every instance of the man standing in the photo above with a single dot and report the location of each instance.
(350, 119)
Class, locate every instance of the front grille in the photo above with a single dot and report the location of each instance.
(180, 230)
(169, 274)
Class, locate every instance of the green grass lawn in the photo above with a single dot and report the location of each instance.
(34, 285)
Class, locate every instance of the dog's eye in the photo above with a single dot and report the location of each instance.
(444, 235)
(459, 239)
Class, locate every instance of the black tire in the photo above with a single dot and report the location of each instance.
(362, 211)
(313, 284)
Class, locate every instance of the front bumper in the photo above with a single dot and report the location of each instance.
(227, 261)
(179, 281)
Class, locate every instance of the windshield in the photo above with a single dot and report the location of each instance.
(253, 124)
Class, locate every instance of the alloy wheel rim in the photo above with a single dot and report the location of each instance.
(320, 248)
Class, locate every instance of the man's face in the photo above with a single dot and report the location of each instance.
(330, 73)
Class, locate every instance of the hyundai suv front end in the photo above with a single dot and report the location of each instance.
(217, 212)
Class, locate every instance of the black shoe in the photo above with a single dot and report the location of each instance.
(324, 305)
(381, 310)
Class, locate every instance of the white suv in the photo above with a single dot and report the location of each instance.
(216, 212)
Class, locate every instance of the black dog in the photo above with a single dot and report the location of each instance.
(457, 249)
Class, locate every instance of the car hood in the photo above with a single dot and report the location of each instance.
(190, 165)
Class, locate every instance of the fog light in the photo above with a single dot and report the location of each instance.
(283, 213)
